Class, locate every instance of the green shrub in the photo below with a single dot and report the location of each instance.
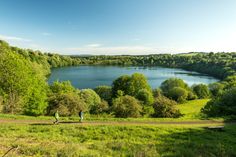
(170, 83)
(177, 89)
(105, 92)
(90, 97)
(145, 96)
(191, 96)
(67, 104)
(130, 85)
(229, 82)
(201, 90)
(222, 106)
(62, 87)
(216, 89)
(165, 108)
(178, 94)
(126, 106)
(100, 108)
(157, 92)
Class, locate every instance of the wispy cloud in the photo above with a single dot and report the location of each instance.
(93, 45)
(46, 34)
(126, 50)
(117, 50)
(13, 38)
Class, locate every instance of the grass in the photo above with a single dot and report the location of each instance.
(78, 140)
(45, 139)
(192, 109)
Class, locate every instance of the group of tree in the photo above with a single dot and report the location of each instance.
(24, 88)
(220, 65)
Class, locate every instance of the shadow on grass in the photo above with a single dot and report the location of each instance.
(197, 142)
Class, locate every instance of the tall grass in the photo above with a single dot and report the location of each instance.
(79, 140)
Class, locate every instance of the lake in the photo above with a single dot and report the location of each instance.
(92, 76)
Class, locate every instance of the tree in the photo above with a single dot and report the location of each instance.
(170, 83)
(23, 84)
(100, 108)
(122, 84)
(178, 94)
(105, 92)
(230, 82)
(216, 89)
(201, 90)
(165, 108)
(66, 104)
(138, 82)
(145, 96)
(126, 106)
(157, 92)
(90, 97)
(62, 87)
(130, 85)
(177, 89)
(191, 95)
(222, 106)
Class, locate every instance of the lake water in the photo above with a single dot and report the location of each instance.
(92, 76)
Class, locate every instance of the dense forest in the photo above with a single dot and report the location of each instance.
(219, 65)
(24, 88)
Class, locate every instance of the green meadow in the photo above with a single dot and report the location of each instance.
(37, 136)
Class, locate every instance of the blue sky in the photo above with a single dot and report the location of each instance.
(119, 26)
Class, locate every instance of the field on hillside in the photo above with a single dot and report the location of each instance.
(37, 136)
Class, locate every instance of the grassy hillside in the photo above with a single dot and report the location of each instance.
(82, 140)
(192, 109)
(36, 136)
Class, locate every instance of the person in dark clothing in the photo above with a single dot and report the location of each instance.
(81, 115)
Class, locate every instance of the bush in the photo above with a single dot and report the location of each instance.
(100, 108)
(169, 84)
(201, 90)
(62, 87)
(216, 89)
(67, 104)
(222, 106)
(105, 92)
(130, 85)
(230, 82)
(178, 94)
(1, 103)
(157, 92)
(126, 106)
(191, 96)
(165, 108)
(90, 97)
(177, 89)
(145, 96)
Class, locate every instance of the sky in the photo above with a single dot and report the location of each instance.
(118, 27)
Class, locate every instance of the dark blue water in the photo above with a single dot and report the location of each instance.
(92, 76)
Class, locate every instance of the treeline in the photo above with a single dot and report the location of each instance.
(24, 88)
(219, 65)
(47, 60)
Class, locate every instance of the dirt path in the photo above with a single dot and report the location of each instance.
(49, 122)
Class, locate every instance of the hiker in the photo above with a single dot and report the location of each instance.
(56, 116)
(81, 115)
